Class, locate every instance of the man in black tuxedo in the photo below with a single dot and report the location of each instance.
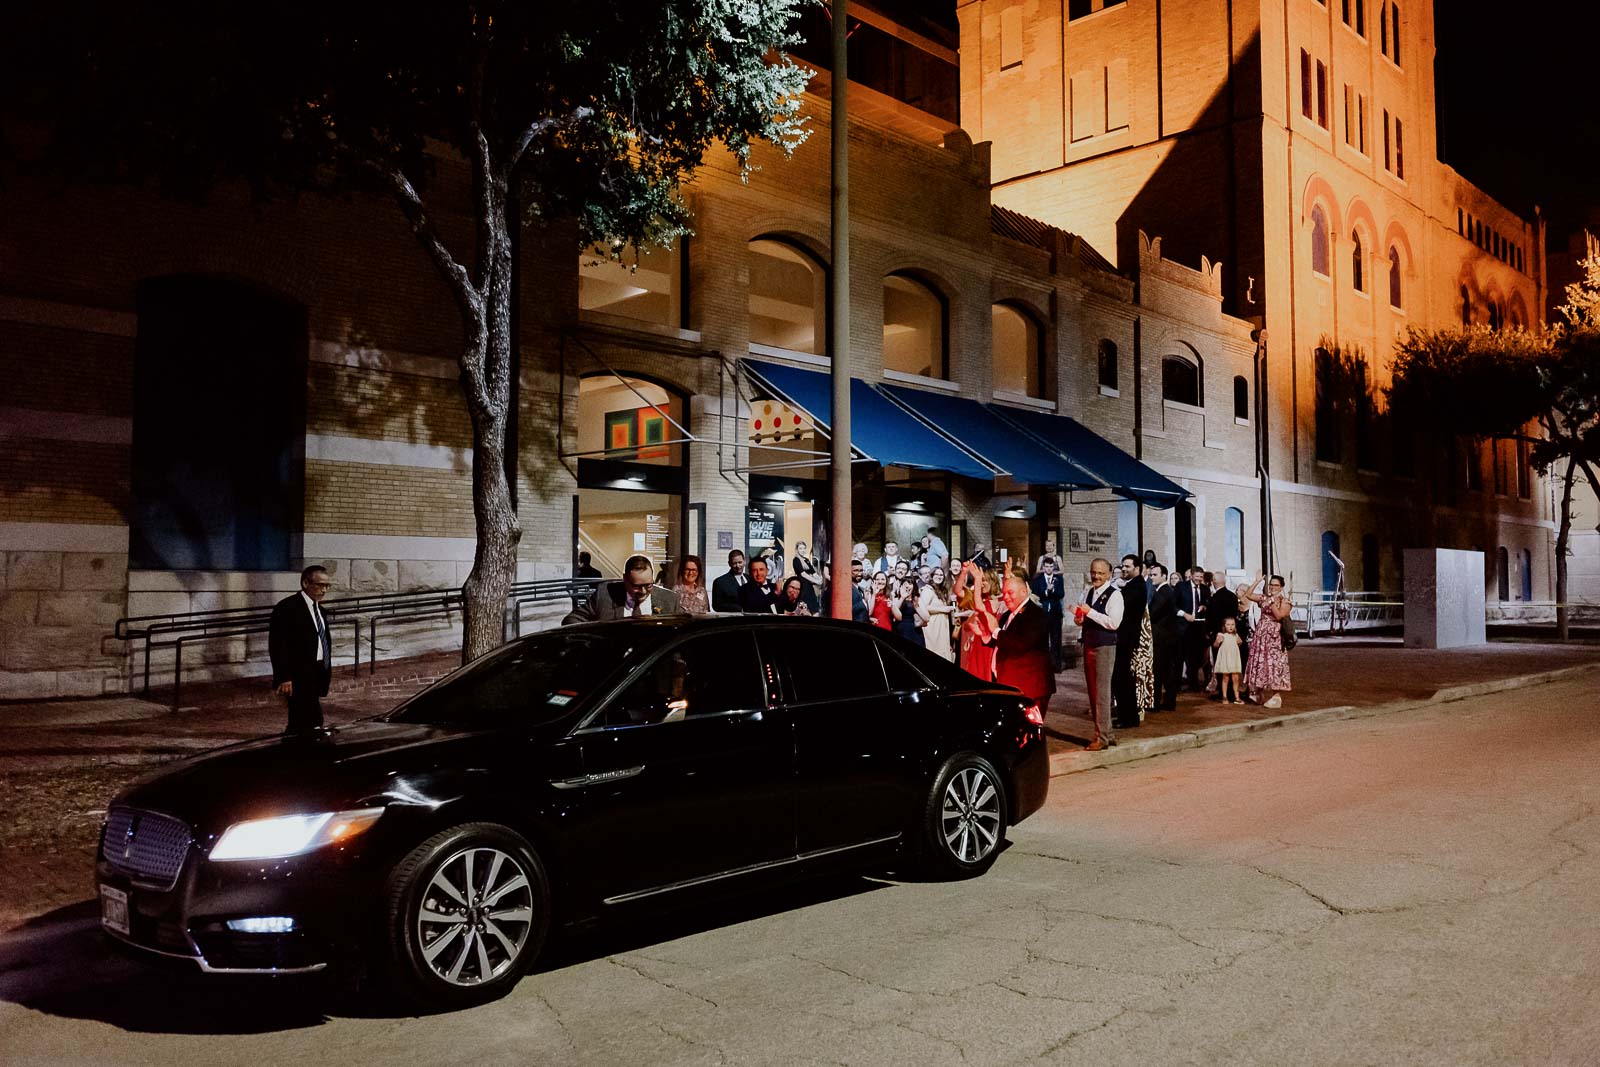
(1051, 589)
(756, 597)
(301, 651)
(1124, 687)
(1192, 597)
(1167, 638)
(725, 590)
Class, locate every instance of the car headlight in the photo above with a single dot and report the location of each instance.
(290, 835)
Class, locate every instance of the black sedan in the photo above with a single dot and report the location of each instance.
(568, 775)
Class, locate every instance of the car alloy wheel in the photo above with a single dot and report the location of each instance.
(468, 910)
(970, 821)
(475, 916)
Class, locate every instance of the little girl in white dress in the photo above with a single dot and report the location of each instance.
(1228, 664)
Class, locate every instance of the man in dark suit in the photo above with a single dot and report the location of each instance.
(858, 600)
(1223, 604)
(301, 651)
(1192, 597)
(1051, 589)
(1167, 637)
(636, 596)
(756, 597)
(1022, 653)
(725, 590)
(1124, 687)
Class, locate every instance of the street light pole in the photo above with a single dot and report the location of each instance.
(842, 536)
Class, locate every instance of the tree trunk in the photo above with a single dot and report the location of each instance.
(1563, 534)
(494, 561)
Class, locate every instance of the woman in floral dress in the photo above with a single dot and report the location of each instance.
(1266, 671)
(691, 590)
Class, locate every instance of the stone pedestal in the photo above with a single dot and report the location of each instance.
(1444, 598)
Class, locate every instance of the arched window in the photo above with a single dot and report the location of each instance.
(1241, 397)
(788, 298)
(913, 328)
(1394, 33)
(1466, 307)
(1018, 346)
(1525, 573)
(1358, 272)
(1370, 579)
(1108, 364)
(1233, 539)
(1494, 315)
(1502, 576)
(1180, 381)
(1394, 279)
(1183, 536)
(1330, 561)
(1319, 241)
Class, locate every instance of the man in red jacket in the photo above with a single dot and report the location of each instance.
(1022, 649)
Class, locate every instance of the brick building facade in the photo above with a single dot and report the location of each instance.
(636, 408)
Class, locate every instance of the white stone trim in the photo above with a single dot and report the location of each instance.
(1022, 400)
(62, 537)
(810, 359)
(65, 426)
(64, 316)
(921, 380)
(337, 449)
(189, 581)
(383, 546)
(339, 354)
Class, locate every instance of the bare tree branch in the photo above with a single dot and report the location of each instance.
(466, 294)
(525, 139)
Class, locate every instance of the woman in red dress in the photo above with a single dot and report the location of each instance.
(879, 608)
(980, 623)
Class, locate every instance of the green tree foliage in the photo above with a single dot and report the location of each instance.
(583, 115)
(1480, 382)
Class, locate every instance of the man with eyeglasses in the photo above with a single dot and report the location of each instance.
(637, 595)
(302, 651)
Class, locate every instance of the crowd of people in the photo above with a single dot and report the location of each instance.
(1146, 634)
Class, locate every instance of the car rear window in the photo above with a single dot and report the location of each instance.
(826, 664)
(534, 681)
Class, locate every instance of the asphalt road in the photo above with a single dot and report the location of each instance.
(1419, 888)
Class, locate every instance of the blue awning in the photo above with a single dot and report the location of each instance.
(879, 430)
(1126, 476)
(994, 439)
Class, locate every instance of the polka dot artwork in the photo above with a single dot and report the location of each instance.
(773, 422)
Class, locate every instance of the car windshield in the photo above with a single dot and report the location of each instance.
(530, 682)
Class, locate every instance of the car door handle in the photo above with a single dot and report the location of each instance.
(598, 778)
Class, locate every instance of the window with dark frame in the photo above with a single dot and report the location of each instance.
(1327, 408)
(1358, 255)
(1524, 471)
(1305, 83)
(1322, 95)
(1394, 279)
(1319, 241)
(1180, 381)
(1241, 397)
(1108, 363)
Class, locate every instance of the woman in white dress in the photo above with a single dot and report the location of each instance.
(939, 605)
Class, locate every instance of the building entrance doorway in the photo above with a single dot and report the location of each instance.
(632, 475)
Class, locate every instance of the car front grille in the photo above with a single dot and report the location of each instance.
(146, 846)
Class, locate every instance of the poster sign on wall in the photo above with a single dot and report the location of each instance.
(763, 530)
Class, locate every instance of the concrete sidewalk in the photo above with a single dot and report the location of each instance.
(1346, 673)
(1333, 677)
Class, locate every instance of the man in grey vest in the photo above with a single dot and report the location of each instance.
(1100, 615)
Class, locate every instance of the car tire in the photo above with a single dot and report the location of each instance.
(963, 823)
(468, 911)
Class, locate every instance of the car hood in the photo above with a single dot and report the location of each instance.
(351, 766)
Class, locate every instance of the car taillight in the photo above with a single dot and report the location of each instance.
(1033, 714)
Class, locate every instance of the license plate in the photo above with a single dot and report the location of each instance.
(114, 909)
